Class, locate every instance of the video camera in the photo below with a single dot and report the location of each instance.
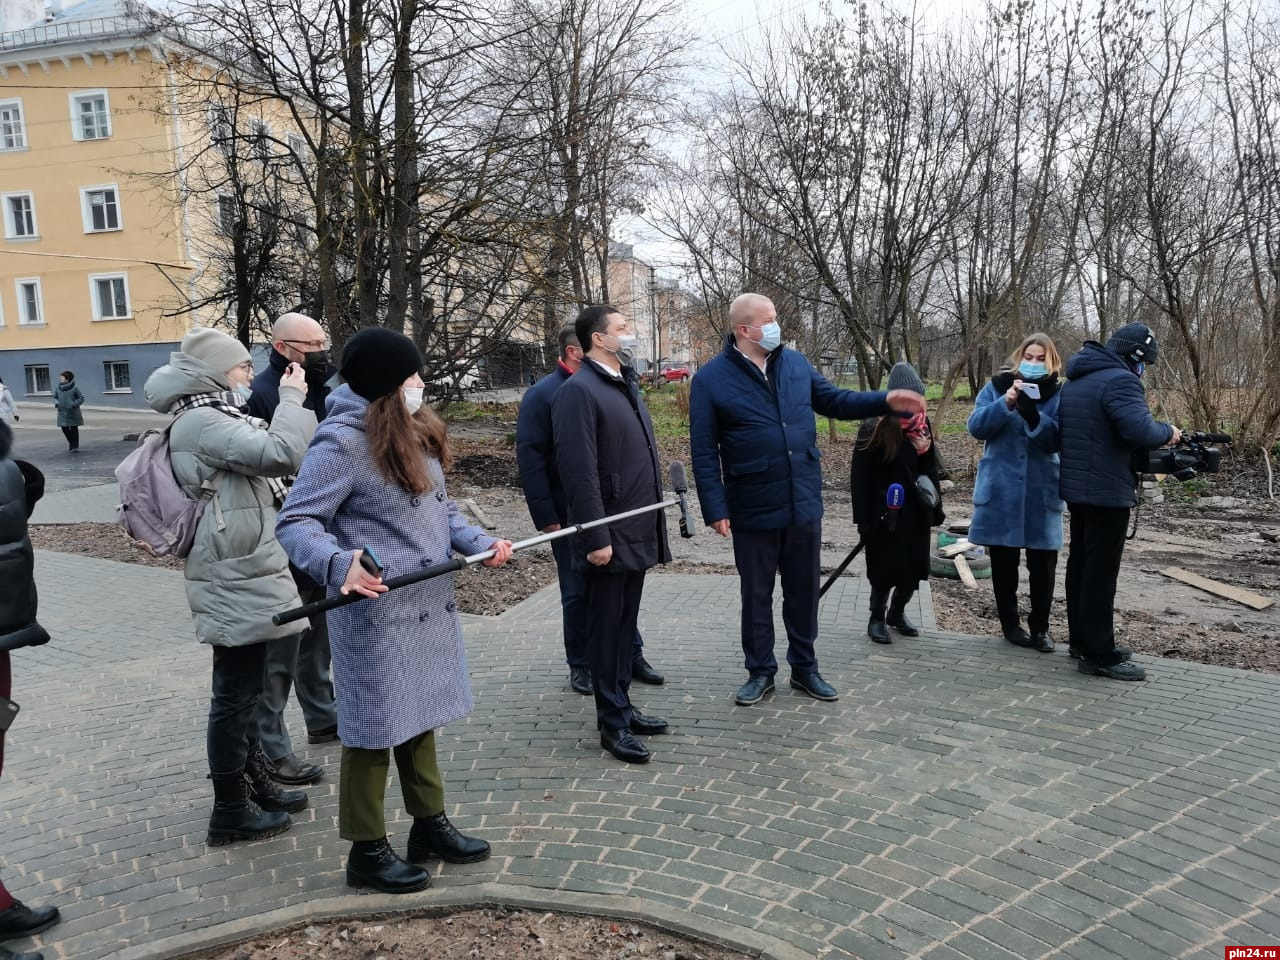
(1189, 456)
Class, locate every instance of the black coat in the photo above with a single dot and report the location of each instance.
(266, 390)
(899, 557)
(18, 493)
(535, 452)
(608, 460)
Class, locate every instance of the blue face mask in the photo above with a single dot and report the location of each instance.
(771, 337)
(1140, 368)
(1031, 370)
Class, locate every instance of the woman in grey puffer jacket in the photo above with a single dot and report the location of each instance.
(237, 574)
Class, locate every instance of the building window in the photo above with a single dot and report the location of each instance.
(261, 138)
(38, 381)
(227, 215)
(221, 132)
(110, 295)
(19, 216)
(13, 132)
(117, 376)
(101, 208)
(30, 301)
(90, 115)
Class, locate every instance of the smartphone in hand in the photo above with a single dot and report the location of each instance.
(1031, 390)
(8, 711)
(369, 560)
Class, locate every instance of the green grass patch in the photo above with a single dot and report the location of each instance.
(669, 423)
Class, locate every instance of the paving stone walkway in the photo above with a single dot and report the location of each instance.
(963, 799)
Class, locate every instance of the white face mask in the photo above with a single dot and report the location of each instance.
(412, 398)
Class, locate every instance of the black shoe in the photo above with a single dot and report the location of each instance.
(640, 670)
(898, 620)
(10, 955)
(1123, 652)
(624, 745)
(293, 771)
(1040, 640)
(877, 629)
(22, 921)
(1017, 636)
(236, 817)
(580, 681)
(323, 735)
(372, 863)
(437, 838)
(647, 726)
(265, 792)
(1124, 670)
(814, 686)
(754, 690)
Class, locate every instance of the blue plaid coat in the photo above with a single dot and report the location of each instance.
(399, 667)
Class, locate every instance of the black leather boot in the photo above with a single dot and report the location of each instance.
(437, 837)
(897, 612)
(236, 816)
(876, 628)
(22, 921)
(265, 792)
(10, 955)
(372, 863)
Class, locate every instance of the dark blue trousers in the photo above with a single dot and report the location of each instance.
(613, 605)
(573, 607)
(762, 555)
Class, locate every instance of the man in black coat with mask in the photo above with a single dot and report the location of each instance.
(300, 662)
(608, 464)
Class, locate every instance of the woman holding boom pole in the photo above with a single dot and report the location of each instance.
(370, 500)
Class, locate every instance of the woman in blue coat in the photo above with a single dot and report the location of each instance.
(373, 482)
(1015, 499)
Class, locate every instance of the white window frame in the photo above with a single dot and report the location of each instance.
(74, 99)
(110, 381)
(10, 233)
(221, 129)
(87, 212)
(94, 279)
(22, 126)
(28, 383)
(23, 320)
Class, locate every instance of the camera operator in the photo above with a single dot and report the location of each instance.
(1103, 419)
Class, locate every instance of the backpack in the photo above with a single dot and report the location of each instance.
(155, 511)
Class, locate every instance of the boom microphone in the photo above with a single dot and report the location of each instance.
(680, 484)
(893, 498)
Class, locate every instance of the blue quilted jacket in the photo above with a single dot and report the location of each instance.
(755, 441)
(1103, 418)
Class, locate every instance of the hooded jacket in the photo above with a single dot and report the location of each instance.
(68, 399)
(237, 575)
(1103, 418)
(18, 627)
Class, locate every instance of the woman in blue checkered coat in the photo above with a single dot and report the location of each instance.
(373, 481)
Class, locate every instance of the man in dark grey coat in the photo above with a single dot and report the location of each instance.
(608, 462)
(1104, 419)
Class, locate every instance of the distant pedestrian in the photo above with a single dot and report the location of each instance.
(1016, 506)
(372, 486)
(891, 450)
(237, 575)
(68, 399)
(8, 408)
(20, 487)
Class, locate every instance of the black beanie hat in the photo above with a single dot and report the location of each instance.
(376, 361)
(1135, 342)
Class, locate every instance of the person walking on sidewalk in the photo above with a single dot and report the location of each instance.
(20, 488)
(298, 661)
(544, 494)
(237, 575)
(8, 408)
(68, 399)
(372, 488)
(1016, 506)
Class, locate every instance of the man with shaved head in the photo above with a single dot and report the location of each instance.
(300, 662)
(759, 478)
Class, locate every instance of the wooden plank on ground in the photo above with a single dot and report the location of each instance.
(966, 575)
(958, 526)
(479, 514)
(1223, 590)
(960, 546)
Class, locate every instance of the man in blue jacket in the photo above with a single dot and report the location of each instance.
(759, 477)
(608, 460)
(1104, 419)
(543, 492)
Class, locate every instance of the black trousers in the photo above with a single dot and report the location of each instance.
(613, 607)
(237, 683)
(1041, 565)
(1093, 566)
(73, 437)
(761, 556)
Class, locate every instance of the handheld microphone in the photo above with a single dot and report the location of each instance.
(893, 498)
(680, 483)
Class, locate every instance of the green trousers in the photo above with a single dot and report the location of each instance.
(363, 786)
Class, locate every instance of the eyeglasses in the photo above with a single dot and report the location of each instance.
(247, 366)
(312, 344)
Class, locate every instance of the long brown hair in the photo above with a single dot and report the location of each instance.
(398, 439)
(887, 435)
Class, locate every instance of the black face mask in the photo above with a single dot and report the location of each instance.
(315, 365)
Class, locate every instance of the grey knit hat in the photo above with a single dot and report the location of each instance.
(220, 351)
(903, 376)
